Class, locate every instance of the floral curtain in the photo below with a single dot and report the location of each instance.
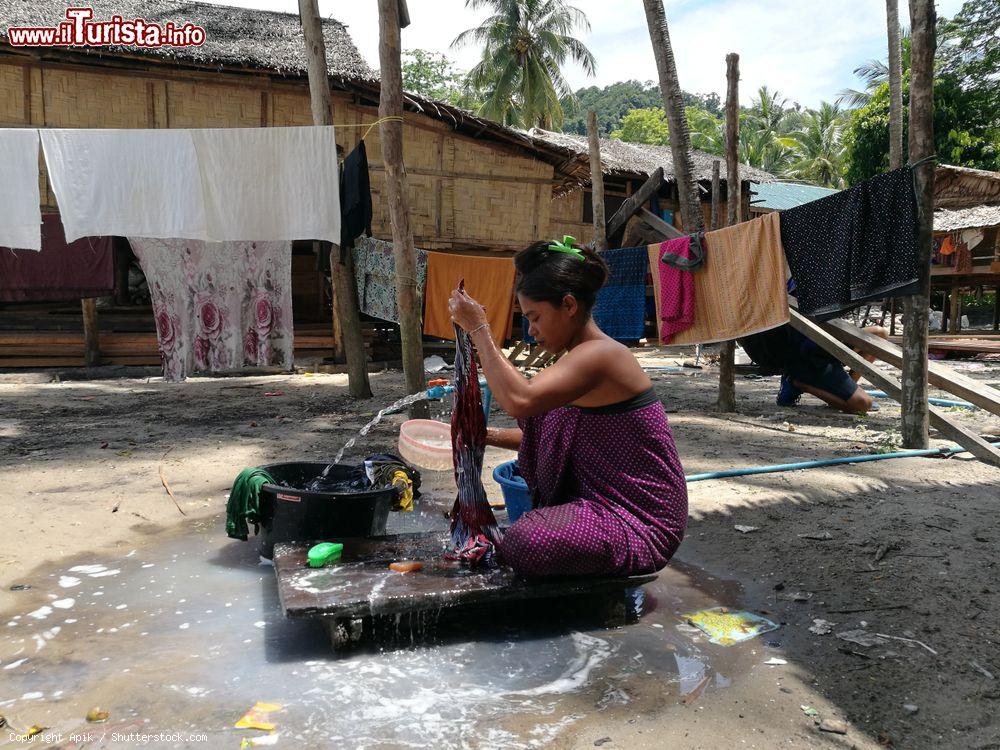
(219, 305)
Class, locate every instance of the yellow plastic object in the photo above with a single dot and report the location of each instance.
(257, 717)
(405, 502)
(725, 627)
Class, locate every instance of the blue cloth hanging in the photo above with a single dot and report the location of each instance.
(620, 310)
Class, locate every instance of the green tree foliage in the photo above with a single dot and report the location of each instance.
(434, 75)
(776, 136)
(969, 52)
(525, 44)
(612, 103)
(963, 134)
(966, 97)
(646, 125)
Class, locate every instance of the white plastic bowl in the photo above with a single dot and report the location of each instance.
(426, 444)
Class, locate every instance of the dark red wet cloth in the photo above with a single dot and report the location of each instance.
(85, 268)
(474, 531)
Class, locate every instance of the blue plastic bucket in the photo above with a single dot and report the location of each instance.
(516, 496)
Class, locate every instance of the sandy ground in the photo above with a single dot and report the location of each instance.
(906, 548)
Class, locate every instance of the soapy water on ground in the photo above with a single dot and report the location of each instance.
(185, 636)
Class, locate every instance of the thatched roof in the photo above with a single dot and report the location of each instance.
(619, 158)
(977, 217)
(964, 187)
(234, 37)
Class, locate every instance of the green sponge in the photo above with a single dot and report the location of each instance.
(323, 553)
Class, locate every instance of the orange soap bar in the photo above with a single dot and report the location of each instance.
(406, 566)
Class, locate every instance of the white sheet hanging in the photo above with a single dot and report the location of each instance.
(143, 183)
(270, 183)
(215, 185)
(20, 201)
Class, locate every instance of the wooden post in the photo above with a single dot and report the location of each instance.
(955, 314)
(716, 197)
(673, 106)
(892, 316)
(390, 104)
(895, 85)
(345, 294)
(944, 311)
(91, 337)
(914, 401)
(727, 364)
(596, 183)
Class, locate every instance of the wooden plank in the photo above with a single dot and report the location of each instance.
(939, 375)
(667, 230)
(636, 201)
(362, 585)
(949, 429)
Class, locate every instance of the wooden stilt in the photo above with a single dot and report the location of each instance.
(345, 293)
(727, 359)
(91, 337)
(921, 149)
(390, 104)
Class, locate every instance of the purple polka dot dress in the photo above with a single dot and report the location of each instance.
(608, 491)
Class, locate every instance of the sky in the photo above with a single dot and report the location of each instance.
(806, 49)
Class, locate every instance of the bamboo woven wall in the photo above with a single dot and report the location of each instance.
(567, 218)
(463, 193)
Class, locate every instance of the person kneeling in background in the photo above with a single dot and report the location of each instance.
(806, 368)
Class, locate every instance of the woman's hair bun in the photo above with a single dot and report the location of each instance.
(546, 275)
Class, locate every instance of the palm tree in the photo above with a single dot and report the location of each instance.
(874, 73)
(818, 147)
(525, 44)
(673, 107)
(768, 109)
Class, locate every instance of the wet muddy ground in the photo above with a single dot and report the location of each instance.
(121, 602)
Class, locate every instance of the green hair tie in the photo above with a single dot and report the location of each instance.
(566, 246)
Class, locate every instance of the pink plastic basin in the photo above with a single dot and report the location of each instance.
(426, 444)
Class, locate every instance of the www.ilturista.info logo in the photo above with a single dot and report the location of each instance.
(79, 31)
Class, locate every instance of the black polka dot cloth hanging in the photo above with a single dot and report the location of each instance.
(854, 246)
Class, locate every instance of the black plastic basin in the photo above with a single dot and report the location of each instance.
(289, 514)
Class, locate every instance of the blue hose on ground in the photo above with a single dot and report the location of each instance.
(930, 400)
(773, 468)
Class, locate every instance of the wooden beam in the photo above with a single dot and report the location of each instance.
(939, 375)
(667, 230)
(949, 429)
(596, 183)
(91, 339)
(636, 201)
(921, 150)
(345, 294)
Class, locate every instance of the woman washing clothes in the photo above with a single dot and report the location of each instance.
(593, 441)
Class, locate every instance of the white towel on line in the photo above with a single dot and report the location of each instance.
(141, 183)
(270, 183)
(215, 185)
(20, 199)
